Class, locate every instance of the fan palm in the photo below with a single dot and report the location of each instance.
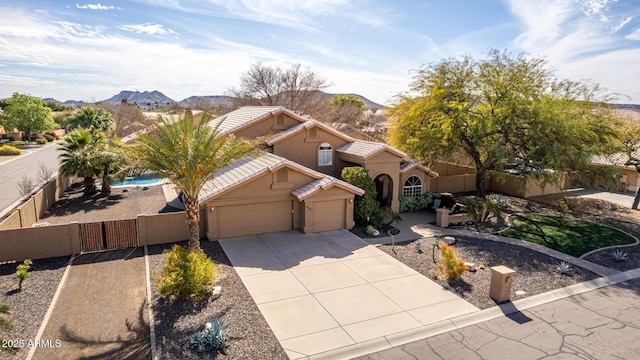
(78, 158)
(189, 155)
(91, 118)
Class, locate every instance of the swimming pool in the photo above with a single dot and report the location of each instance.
(142, 180)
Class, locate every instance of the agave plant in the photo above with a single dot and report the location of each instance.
(212, 338)
(620, 255)
(564, 267)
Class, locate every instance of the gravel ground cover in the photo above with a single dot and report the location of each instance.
(536, 273)
(29, 305)
(249, 334)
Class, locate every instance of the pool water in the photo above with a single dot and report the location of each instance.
(142, 180)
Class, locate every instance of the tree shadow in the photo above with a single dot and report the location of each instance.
(135, 344)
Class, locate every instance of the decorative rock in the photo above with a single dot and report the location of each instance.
(217, 290)
(470, 266)
(520, 292)
(450, 240)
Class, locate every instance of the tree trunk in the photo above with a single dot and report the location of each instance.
(89, 183)
(192, 208)
(106, 184)
(636, 201)
(480, 177)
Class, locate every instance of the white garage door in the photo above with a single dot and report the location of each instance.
(257, 218)
(329, 215)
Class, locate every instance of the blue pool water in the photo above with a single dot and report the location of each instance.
(142, 180)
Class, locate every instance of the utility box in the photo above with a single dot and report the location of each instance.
(501, 280)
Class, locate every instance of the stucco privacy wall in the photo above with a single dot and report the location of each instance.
(40, 242)
(33, 208)
(63, 240)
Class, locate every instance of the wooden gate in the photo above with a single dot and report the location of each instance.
(109, 235)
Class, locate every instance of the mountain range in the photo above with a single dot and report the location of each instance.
(153, 99)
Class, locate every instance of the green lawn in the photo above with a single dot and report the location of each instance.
(570, 236)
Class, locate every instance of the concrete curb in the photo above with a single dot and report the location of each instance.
(456, 323)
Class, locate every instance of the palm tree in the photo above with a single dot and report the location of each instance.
(91, 118)
(189, 155)
(79, 157)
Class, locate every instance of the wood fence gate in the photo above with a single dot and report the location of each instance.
(109, 235)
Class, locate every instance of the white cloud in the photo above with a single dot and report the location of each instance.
(595, 7)
(634, 35)
(97, 7)
(149, 29)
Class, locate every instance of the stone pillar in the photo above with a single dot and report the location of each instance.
(442, 217)
(501, 280)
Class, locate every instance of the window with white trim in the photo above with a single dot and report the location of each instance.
(325, 155)
(412, 187)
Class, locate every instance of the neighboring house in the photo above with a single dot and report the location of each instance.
(628, 178)
(294, 184)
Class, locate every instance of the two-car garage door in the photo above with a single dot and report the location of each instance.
(246, 219)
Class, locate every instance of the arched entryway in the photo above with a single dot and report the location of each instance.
(384, 187)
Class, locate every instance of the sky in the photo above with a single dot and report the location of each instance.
(90, 51)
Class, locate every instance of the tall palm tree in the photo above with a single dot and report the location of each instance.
(189, 155)
(79, 157)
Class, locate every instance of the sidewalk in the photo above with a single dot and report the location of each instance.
(101, 310)
(593, 320)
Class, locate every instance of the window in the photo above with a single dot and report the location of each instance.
(412, 187)
(325, 155)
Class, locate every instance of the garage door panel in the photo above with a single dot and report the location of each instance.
(329, 215)
(237, 220)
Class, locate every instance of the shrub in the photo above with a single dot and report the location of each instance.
(186, 274)
(212, 338)
(371, 231)
(366, 207)
(620, 255)
(22, 271)
(411, 203)
(41, 141)
(564, 267)
(447, 200)
(449, 266)
(49, 137)
(8, 150)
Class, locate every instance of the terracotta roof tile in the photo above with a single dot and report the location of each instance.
(365, 149)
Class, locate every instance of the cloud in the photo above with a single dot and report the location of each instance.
(148, 28)
(97, 7)
(634, 35)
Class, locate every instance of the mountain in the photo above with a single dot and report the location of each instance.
(150, 97)
(141, 98)
(211, 100)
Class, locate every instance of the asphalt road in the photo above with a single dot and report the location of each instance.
(11, 172)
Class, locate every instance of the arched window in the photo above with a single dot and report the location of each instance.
(325, 155)
(412, 187)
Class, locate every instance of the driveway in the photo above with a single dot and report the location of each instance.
(333, 294)
(624, 199)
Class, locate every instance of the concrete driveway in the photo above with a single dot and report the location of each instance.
(624, 199)
(331, 294)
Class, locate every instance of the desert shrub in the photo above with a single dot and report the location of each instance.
(481, 210)
(186, 274)
(8, 150)
(41, 141)
(22, 271)
(449, 266)
(447, 200)
(411, 203)
(49, 137)
(371, 231)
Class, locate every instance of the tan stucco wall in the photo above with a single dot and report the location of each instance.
(302, 149)
(389, 164)
(263, 189)
(266, 126)
(449, 169)
(167, 228)
(40, 242)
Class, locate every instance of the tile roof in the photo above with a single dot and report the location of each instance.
(324, 184)
(408, 164)
(305, 125)
(251, 167)
(618, 159)
(244, 116)
(366, 149)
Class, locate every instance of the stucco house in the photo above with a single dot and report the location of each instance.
(294, 184)
(628, 178)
